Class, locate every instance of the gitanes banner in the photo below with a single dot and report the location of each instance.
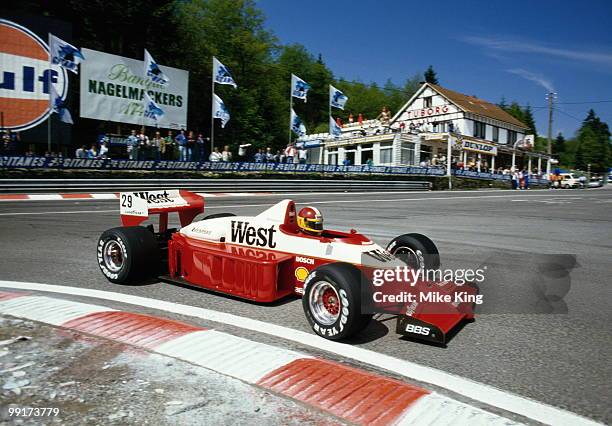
(113, 87)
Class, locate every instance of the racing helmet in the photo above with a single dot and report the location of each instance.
(310, 220)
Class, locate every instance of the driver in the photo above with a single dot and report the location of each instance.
(310, 221)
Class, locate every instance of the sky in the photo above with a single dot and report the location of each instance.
(516, 49)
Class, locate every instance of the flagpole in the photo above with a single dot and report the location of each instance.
(329, 105)
(290, 107)
(212, 109)
(49, 90)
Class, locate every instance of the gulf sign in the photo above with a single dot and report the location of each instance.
(25, 75)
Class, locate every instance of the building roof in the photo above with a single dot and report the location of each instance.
(477, 106)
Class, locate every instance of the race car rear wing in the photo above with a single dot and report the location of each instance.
(136, 207)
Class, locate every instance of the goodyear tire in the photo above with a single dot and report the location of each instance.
(128, 255)
(332, 301)
(417, 250)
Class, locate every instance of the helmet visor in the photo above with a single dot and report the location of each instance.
(314, 224)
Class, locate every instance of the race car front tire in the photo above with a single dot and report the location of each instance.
(128, 255)
(417, 250)
(332, 301)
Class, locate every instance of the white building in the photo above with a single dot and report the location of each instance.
(418, 133)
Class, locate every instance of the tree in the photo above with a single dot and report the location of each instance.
(593, 144)
(530, 121)
(430, 76)
(558, 144)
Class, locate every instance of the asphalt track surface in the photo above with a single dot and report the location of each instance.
(562, 359)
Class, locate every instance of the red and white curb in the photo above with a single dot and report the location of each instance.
(109, 196)
(349, 393)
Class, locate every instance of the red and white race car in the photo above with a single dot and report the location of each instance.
(268, 257)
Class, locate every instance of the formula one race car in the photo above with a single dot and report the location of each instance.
(268, 257)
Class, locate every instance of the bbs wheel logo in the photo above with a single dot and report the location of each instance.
(25, 77)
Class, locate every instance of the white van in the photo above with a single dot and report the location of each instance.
(568, 180)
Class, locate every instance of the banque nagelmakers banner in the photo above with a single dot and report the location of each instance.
(112, 88)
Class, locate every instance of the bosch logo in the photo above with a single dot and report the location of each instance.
(307, 260)
(25, 76)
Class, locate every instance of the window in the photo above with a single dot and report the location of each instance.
(511, 137)
(495, 134)
(428, 102)
(440, 127)
(332, 156)
(386, 152)
(479, 129)
(407, 153)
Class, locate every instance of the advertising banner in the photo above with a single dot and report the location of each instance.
(113, 89)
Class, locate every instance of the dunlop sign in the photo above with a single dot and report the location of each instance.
(484, 148)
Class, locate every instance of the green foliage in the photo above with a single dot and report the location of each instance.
(525, 115)
(430, 76)
(593, 144)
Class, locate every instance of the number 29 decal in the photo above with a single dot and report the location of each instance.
(126, 200)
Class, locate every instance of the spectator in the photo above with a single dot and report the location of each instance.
(339, 122)
(103, 150)
(302, 155)
(385, 116)
(290, 153)
(215, 156)
(168, 147)
(402, 126)
(81, 152)
(277, 157)
(350, 118)
(201, 148)
(181, 141)
(132, 145)
(92, 153)
(369, 162)
(191, 145)
(156, 144)
(269, 156)
(346, 162)
(514, 178)
(226, 155)
(143, 145)
(259, 156)
(360, 119)
(242, 152)
(525, 180)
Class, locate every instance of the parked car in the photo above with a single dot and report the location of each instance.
(595, 182)
(568, 180)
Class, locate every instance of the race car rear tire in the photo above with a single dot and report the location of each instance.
(332, 301)
(420, 251)
(128, 255)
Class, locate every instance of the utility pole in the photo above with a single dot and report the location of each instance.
(551, 97)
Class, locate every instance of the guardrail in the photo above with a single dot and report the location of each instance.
(209, 185)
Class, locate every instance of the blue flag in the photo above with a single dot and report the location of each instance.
(152, 110)
(297, 126)
(64, 54)
(221, 74)
(334, 129)
(337, 99)
(299, 88)
(220, 111)
(58, 106)
(153, 71)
